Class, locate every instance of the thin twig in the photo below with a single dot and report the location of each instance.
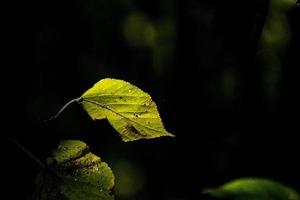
(63, 108)
(28, 153)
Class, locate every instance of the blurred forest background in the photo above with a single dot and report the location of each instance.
(233, 116)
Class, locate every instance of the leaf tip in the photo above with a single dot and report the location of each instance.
(171, 135)
(207, 191)
(168, 134)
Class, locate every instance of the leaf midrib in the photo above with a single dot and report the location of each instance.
(117, 113)
(114, 95)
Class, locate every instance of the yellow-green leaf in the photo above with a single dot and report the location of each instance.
(131, 111)
(74, 173)
(253, 189)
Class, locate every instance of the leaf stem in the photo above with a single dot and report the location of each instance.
(28, 153)
(63, 108)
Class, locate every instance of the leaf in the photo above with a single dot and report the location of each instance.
(128, 109)
(253, 189)
(74, 173)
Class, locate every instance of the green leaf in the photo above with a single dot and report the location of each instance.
(253, 189)
(128, 109)
(74, 173)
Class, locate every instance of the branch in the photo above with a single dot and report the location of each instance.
(28, 153)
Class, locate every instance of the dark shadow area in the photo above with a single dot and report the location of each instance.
(231, 119)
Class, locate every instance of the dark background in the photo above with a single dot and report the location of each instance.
(233, 116)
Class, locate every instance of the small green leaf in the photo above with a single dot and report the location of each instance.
(128, 109)
(74, 173)
(253, 189)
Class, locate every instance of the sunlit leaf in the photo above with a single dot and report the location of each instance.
(74, 173)
(253, 189)
(129, 110)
